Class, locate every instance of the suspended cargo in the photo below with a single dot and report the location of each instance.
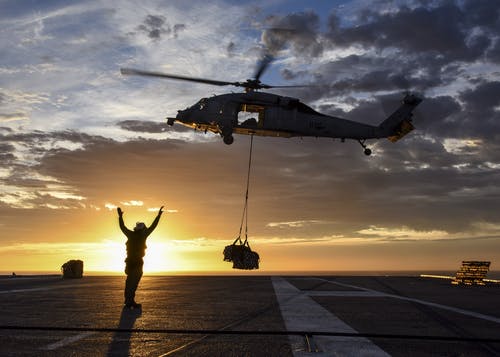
(241, 255)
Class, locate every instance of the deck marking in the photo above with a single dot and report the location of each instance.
(423, 302)
(46, 288)
(301, 313)
(345, 293)
(67, 341)
(27, 290)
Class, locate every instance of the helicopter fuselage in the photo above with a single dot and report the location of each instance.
(266, 114)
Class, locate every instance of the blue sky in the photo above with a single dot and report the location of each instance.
(65, 109)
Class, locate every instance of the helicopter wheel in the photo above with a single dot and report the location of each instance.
(367, 151)
(228, 139)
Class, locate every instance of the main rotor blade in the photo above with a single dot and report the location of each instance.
(264, 63)
(296, 86)
(137, 72)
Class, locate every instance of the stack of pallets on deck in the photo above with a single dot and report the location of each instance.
(472, 273)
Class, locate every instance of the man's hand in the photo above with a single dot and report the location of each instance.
(120, 212)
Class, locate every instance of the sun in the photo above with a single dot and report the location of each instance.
(109, 256)
(159, 258)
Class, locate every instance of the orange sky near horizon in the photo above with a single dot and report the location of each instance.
(101, 245)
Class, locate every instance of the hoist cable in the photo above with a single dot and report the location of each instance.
(244, 217)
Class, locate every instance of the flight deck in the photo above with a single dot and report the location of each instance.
(249, 316)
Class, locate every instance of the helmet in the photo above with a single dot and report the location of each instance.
(139, 226)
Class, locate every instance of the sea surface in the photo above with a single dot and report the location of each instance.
(494, 274)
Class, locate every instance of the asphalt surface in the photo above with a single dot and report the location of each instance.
(248, 316)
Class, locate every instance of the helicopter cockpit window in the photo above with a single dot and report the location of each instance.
(251, 115)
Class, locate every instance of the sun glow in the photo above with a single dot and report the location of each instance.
(159, 258)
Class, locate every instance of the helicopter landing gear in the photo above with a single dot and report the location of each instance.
(227, 135)
(228, 139)
(367, 151)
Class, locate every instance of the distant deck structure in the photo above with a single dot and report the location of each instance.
(472, 273)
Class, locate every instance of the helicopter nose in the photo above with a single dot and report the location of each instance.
(183, 115)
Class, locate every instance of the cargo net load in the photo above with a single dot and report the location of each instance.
(241, 255)
(72, 269)
(472, 273)
(240, 252)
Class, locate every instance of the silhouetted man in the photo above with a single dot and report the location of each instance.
(136, 249)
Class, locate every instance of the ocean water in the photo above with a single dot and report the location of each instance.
(495, 274)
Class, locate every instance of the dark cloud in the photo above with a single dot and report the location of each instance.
(482, 13)
(442, 31)
(231, 46)
(493, 54)
(6, 154)
(156, 26)
(372, 74)
(37, 144)
(373, 81)
(480, 117)
(408, 48)
(25, 186)
(290, 75)
(435, 116)
(299, 31)
(143, 126)
(38, 138)
(178, 28)
(482, 99)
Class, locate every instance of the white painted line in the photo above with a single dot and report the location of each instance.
(27, 290)
(423, 302)
(67, 341)
(46, 288)
(301, 313)
(344, 293)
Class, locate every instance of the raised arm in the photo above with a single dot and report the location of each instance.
(155, 222)
(124, 229)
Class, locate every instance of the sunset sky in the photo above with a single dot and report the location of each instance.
(78, 139)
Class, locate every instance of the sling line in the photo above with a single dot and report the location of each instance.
(244, 217)
(240, 252)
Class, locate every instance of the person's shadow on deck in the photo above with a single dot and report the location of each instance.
(120, 344)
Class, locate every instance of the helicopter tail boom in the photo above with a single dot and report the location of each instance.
(398, 124)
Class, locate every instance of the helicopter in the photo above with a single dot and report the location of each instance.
(265, 114)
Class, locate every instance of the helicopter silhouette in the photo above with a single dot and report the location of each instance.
(265, 114)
